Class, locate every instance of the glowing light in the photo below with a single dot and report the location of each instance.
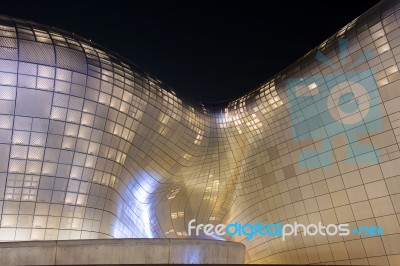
(392, 69)
(141, 214)
(383, 48)
(312, 86)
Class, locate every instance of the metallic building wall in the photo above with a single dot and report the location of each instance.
(93, 147)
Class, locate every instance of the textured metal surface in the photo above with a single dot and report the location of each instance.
(93, 147)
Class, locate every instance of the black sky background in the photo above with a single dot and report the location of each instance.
(205, 51)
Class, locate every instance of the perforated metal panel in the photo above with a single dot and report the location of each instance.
(93, 147)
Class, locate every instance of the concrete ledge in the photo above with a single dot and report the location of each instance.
(121, 251)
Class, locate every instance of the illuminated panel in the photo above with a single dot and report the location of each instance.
(91, 147)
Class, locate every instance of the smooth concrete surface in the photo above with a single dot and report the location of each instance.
(121, 251)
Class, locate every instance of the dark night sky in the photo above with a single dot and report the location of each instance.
(205, 51)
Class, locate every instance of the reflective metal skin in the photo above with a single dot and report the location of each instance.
(93, 147)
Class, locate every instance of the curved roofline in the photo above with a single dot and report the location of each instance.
(134, 67)
(217, 105)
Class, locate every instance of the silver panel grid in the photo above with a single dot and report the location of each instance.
(93, 147)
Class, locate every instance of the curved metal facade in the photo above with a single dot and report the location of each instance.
(92, 147)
